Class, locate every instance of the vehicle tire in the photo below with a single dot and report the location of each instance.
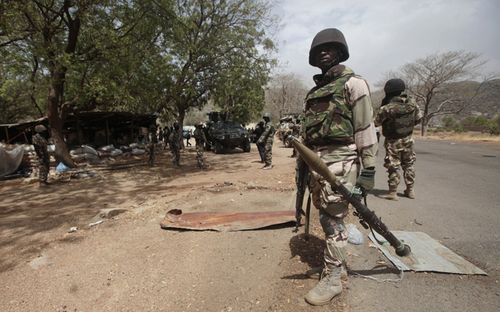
(247, 147)
(218, 148)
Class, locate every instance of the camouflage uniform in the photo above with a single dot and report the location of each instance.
(40, 145)
(338, 126)
(266, 140)
(201, 140)
(398, 118)
(174, 143)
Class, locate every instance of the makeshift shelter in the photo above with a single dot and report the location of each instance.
(92, 128)
(10, 160)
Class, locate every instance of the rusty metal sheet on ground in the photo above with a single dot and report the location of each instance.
(225, 221)
(427, 254)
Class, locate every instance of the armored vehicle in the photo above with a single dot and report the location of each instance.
(223, 134)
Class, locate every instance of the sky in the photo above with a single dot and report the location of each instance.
(383, 35)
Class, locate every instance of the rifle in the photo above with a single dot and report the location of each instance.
(302, 177)
(367, 217)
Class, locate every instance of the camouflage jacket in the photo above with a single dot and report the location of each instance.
(268, 134)
(40, 145)
(398, 117)
(338, 112)
(199, 136)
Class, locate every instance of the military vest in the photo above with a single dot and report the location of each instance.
(401, 120)
(328, 116)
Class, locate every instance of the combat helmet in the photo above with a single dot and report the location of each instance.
(267, 116)
(394, 86)
(329, 35)
(40, 128)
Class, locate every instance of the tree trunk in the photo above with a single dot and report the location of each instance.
(56, 127)
(180, 120)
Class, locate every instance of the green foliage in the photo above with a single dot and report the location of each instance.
(481, 123)
(141, 56)
(449, 122)
(494, 126)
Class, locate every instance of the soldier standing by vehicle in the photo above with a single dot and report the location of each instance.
(174, 143)
(338, 126)
(266, 140)
(201, 141)
(152, 144)
(40, 144)
(398, 115)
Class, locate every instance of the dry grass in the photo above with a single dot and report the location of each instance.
(464, 136)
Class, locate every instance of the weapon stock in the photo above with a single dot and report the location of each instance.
(302, 176)
(366, 215)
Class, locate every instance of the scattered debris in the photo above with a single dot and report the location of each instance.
(40, 261)
(225, 221)
(95, 223)
(73, 229)
(416, 222)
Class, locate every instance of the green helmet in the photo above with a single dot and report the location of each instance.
(395, 85)
(329, 35)
(267, 115)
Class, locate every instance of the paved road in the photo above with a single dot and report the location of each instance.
(458, 203)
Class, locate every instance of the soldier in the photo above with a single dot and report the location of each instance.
(337, 124)
(259, 129)
(266, 140)
(152, 144)
(201, 141)
(174, 143)
(398, 115)
(40, 145)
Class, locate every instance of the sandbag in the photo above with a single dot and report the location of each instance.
(10, 160)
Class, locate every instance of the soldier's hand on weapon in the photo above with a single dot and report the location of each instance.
(366, 180)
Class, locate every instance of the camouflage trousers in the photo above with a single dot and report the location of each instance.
(151, 160)
(399, 154)
(268, 152)
(176, 154)
(43, 169)
(333, 208)
(200, 158)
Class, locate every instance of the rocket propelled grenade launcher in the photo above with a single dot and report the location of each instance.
(367, 216)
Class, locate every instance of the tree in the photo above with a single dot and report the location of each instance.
(116, 65)
(206, 39)
(285, 95)
(429, 80)
(47, 31)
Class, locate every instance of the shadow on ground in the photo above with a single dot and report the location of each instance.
(31, 215)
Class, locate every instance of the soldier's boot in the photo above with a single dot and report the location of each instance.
(267, 167)
(392, 195)
(316, 272)
(409, 192)
(327, 288)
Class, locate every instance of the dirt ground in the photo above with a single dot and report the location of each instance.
(128, 263)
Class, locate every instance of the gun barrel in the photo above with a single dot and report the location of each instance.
(316, 164)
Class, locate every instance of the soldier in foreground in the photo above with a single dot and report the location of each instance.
(201, 141)
(266, 140)
(40, 145)
(175, 144)
(398, 115)
(338, 126)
